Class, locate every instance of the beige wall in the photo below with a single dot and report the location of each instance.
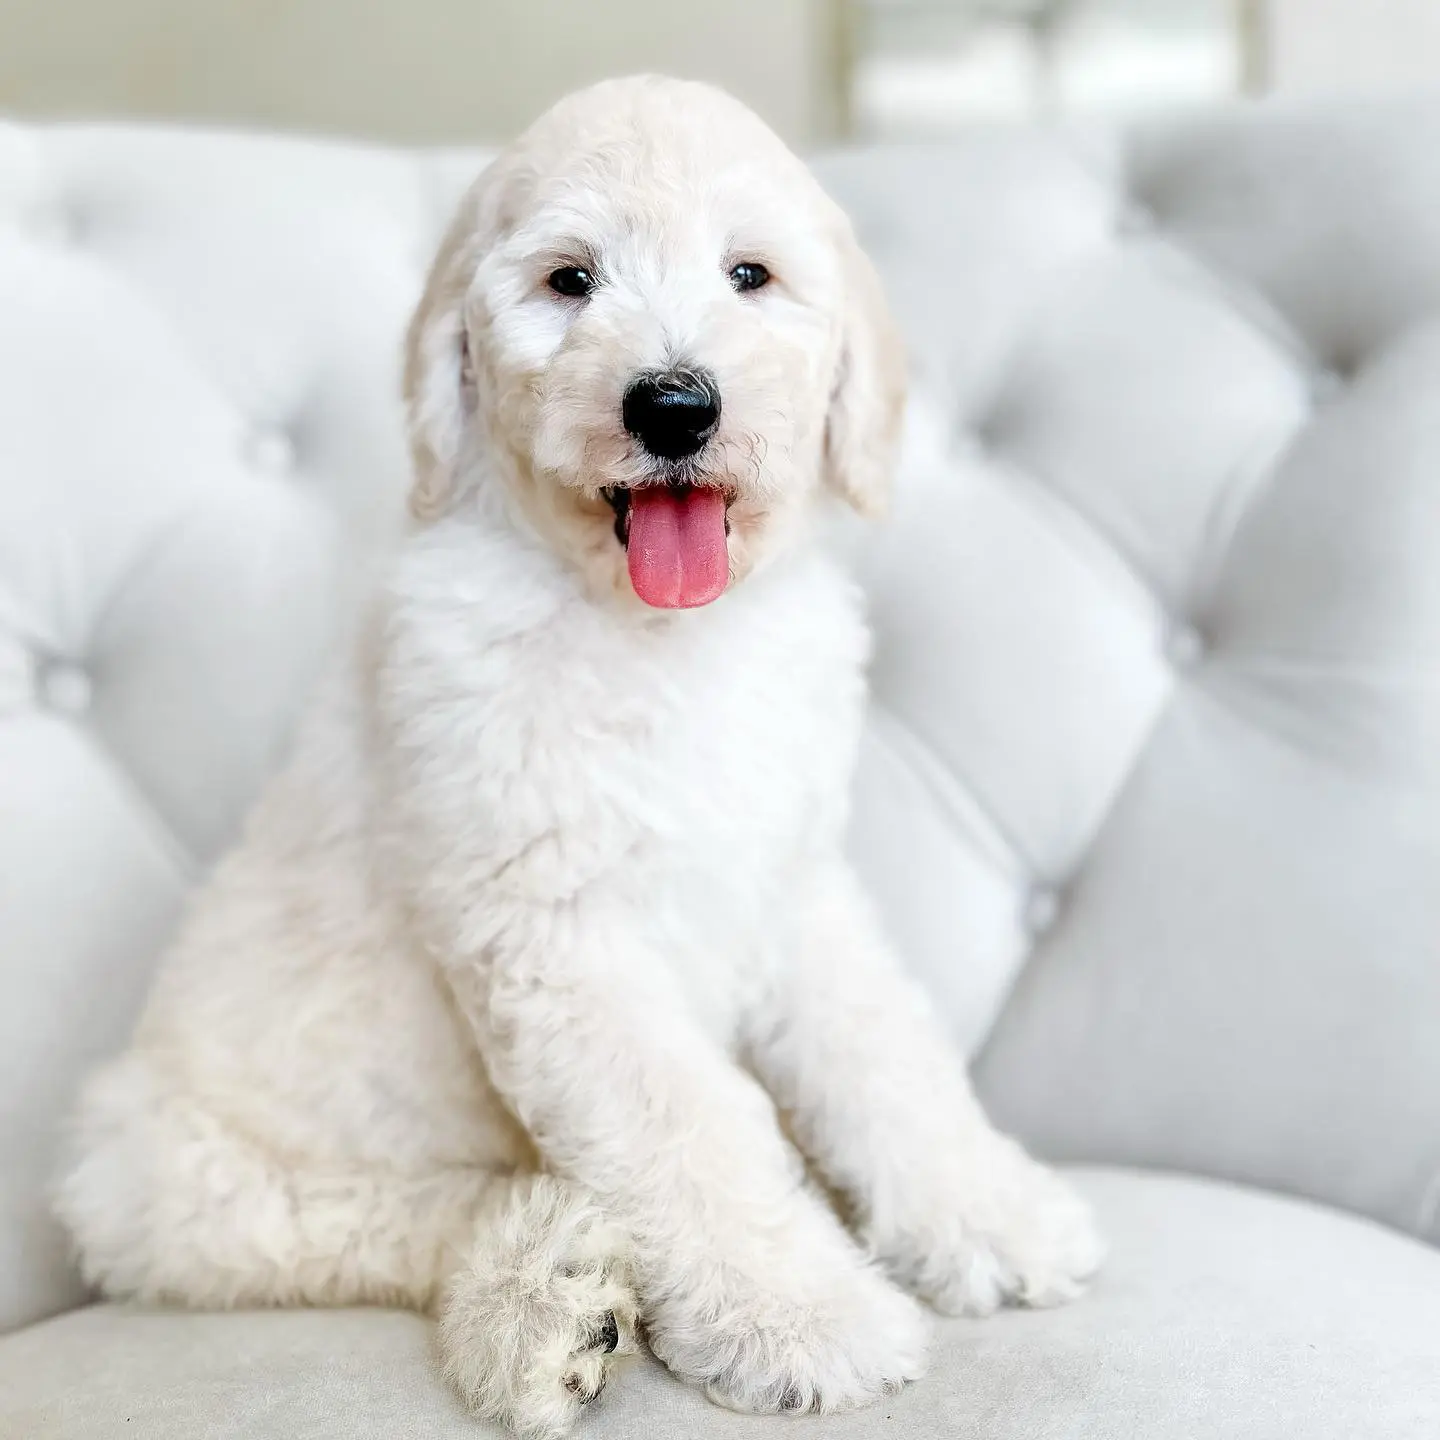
(409, 70)
(1325, 46)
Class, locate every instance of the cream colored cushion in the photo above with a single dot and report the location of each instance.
(1225, 1315)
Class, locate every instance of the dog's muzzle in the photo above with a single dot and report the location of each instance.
(672, 413)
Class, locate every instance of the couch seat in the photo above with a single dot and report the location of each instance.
(1223, 1312)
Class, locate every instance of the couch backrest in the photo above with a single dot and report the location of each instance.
(1158, 664)
(200, 451)
(1158, 613)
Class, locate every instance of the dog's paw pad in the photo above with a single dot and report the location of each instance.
(607, 1334)
(584, 1388)
(596, 1344)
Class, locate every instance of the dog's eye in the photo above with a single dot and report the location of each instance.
(572, 281)
(749, 275)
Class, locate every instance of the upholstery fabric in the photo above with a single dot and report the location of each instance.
(1157, 682)
(1224, 1315)
(1158, 616)
(200, 451)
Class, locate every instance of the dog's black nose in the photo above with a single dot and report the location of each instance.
(673, 413)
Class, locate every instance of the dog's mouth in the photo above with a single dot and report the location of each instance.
(674, 539)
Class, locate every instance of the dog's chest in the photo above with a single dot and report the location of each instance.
(682, 763)
(650, 782)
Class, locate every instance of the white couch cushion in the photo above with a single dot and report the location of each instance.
(1224, 1315)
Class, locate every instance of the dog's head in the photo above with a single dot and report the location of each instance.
(651, 324)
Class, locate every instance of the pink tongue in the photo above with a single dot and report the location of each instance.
(676, 545)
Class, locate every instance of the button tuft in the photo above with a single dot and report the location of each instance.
(1042, 909)
(1136, 219)
(65, 688)
(271, 451)
(1325, 386)
(1184, 645)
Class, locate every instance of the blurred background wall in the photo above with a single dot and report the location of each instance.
(411, 70)
(467, 70)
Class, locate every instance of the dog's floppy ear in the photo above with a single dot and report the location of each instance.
(867, 399)
(439, 386)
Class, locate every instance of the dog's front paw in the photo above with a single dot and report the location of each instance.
(833, 1345)
(1012, 1232)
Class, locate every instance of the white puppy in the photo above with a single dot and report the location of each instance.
(496, 1006)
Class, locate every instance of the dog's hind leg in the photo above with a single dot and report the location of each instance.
(531, 1323)
(170, 1203)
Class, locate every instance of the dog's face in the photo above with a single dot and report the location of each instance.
(650, 323)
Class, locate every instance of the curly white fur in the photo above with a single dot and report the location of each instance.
(491, 1010)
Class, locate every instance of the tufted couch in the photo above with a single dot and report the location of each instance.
(1151, 796)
